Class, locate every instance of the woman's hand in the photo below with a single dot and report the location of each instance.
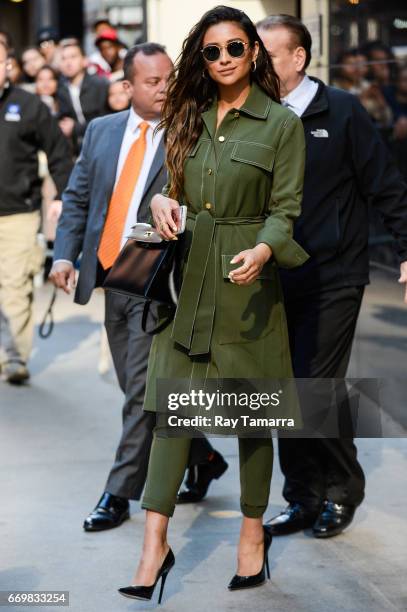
(164, 213)
(254, 260)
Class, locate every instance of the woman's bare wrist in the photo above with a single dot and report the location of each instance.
(264, 250)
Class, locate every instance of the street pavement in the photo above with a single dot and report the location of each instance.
(57, 440)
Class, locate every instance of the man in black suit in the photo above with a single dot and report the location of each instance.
(81, 96)
(347, 167)
(87, 206)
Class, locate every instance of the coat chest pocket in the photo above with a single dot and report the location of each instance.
(255, 154)
(248, 313)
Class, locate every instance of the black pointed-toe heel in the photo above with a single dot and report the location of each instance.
(248, 582)
(146, 592)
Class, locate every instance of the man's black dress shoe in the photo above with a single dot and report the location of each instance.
(248, 582)
(294, 518)
(333, 519)
(109, 512)
(200, 477)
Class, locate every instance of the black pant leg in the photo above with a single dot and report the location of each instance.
(321, 329)
(200, 450)
(130, 347)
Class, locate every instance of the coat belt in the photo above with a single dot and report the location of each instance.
(194, 318)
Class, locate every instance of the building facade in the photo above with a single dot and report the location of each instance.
(23, 18)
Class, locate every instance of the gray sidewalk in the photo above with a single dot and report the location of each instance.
(57, 440)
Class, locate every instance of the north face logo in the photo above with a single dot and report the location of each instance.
(320, 133)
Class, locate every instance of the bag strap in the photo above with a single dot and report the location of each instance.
(43, 331)
(155, 330)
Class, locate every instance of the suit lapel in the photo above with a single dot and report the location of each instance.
(84, 88)
(156, 166)
(114, 143)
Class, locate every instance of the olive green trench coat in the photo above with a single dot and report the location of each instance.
(243, 185)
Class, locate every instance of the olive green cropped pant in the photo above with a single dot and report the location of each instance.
(169, 459)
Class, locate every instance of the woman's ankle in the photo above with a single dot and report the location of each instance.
(252, 530)
(155, 531)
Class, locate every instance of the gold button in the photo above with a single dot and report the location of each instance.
(208, 206)
(210, 171)
(236, 115)
(221, 138)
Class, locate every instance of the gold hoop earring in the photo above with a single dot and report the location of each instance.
(255, 66)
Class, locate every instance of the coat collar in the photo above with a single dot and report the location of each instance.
(319, 103)
(257, 105)
(156, 165)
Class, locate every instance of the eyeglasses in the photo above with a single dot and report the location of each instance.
(235, 48)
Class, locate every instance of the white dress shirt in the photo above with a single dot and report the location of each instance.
(75, 93)
(299, 98)
(130, 135)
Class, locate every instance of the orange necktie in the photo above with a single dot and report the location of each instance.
(109, 246)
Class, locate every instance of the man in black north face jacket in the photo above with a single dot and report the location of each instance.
(347, 167)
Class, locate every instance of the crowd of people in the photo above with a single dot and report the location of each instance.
(76, 87)
(379, 80)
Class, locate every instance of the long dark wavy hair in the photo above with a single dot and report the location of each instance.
(190, 93)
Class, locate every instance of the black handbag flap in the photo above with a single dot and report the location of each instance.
(142, 269)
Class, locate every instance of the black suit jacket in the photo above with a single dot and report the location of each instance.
(86, 198)
(93, 99)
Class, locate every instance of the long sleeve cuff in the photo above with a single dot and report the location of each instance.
(286, 251)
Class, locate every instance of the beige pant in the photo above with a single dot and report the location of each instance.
(20, 259)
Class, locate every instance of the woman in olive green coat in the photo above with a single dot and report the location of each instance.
(236, 159)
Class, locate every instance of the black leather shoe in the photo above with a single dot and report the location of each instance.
(333, 519)
(294, 518)
(110, 512)
(200, 477)
(248, 582)
(146, 592)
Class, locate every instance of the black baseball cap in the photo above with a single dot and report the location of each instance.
(47, 33)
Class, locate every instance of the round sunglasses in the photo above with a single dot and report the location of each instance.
(235, 48)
